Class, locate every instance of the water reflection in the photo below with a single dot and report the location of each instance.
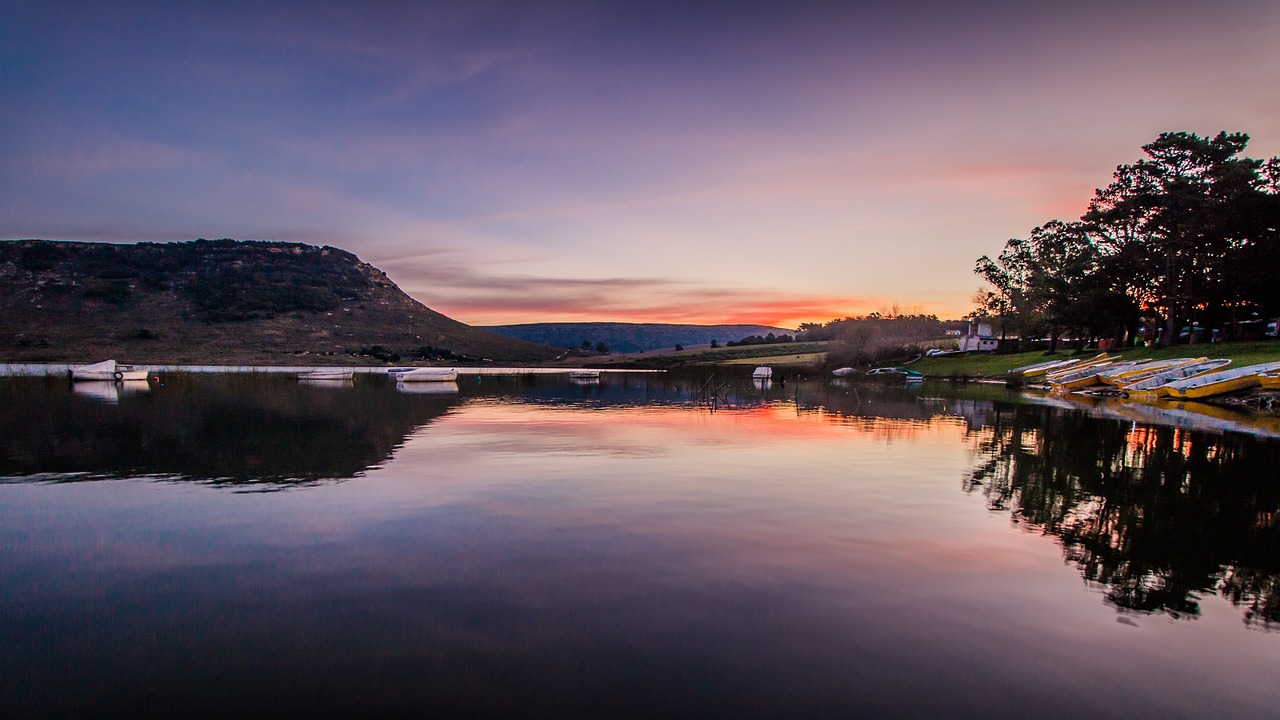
(1156, 507)
(110, 391)
(427, 388)
(236, 429)
(1157, 515)
(655, 546)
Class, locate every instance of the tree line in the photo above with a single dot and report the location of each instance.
(1186, 237)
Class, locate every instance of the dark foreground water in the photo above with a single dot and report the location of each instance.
(250, 546)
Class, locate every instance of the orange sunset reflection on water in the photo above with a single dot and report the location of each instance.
(627, 547)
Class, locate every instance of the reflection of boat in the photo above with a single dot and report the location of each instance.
(762, 383)
(439, 375)
(1198, 416)
(428, 388)
(110, 390)
(327, 383)
(1219, 383)
(762, 372)
(584, 375)
(326, 375)
(104, 390)
(107, 370)
(842, 372)
(1151, 383)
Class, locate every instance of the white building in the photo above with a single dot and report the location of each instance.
(980, 337)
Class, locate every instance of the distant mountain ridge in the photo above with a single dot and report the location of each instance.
(630, 337)
(221, 301)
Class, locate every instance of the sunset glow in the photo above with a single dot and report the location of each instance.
(526, 162)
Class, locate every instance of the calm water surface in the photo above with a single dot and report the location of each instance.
(223, 545)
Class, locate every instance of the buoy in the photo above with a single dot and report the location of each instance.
(119, 375)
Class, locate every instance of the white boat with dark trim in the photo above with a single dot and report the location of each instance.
(107, 370)
(427, 375)
(764, 372)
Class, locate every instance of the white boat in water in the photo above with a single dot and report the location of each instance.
(107, 370)
(427, 375)
(842, 372)
(764, 372)
(327, 375)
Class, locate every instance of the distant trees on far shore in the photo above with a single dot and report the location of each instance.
(1188, 236)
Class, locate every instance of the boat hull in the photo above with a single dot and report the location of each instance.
(426, 375)
(1219, 383)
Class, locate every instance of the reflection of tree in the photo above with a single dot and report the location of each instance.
(1156, 515)
(229, 429)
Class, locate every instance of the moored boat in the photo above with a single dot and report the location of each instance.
(427, 375)
(327, 375)
(107, 370)
(896, 373)
(764, 372)
(842, 372)
(1219, 383)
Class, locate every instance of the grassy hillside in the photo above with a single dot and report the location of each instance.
(220, 301)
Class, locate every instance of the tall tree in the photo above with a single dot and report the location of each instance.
(1177, 211)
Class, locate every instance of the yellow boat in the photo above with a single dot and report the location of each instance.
(1082, 377)
(1220, 383)
(1142, 369)
(1270, 380)
(1057, 374)
(1153, 385)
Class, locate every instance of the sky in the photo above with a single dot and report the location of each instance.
(704, 162)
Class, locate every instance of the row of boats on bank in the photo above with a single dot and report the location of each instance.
(1178, 378)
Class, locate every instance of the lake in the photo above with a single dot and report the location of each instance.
(220, 545)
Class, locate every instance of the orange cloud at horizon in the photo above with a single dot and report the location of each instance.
(476, 296)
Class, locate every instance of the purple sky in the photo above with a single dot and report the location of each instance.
(683, 162)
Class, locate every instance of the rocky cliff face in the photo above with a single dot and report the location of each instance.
(220, 301)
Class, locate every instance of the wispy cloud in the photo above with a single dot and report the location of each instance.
(105, 153)
(447, 283)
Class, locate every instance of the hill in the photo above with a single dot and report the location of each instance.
(221, 301)
(630, 337)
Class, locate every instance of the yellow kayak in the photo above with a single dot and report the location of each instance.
(1220, 383)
